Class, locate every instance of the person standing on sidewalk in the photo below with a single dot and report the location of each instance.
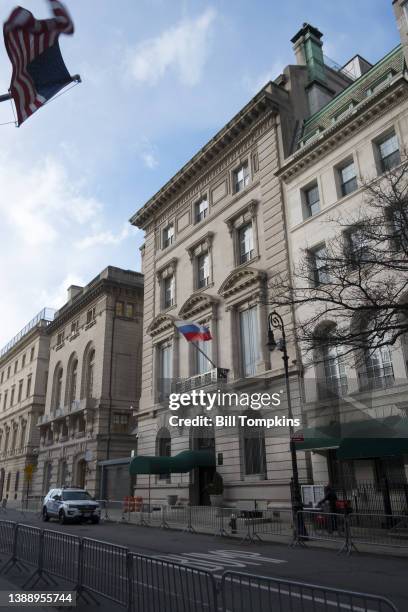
(330, 501)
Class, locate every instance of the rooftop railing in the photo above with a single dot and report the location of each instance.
(46, 315)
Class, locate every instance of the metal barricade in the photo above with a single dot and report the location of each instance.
(104, 570)
(378, 529)
(60, 555)
(7, 537)
(327, 526)
(242, 592)
(177, 517)
(158, 585)
(28, 544)
(274, 522)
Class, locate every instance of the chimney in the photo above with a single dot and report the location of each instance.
(308, 49)
(73, 291)
(401, 15)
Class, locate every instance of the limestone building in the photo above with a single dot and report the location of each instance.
(93, 381)
(352, 141)
(23, 382)
(215, 236)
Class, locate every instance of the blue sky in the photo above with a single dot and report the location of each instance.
(160, 77)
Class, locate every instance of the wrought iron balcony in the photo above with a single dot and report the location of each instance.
(212, 377)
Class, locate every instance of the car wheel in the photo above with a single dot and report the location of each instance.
(62, 518)
(45, 516)
(95, 520)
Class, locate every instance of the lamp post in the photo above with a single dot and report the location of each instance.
(275, 321)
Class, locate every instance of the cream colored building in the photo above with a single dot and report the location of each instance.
(351, 140)
(93, 381)
(215, 236)
(23, 381)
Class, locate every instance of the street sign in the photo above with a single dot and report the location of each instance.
(298, 437)
(29, 470)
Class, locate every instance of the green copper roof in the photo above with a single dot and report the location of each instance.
(392, 64)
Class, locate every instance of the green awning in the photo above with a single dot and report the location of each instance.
(359, 439)
(367, 448)
(181, 463)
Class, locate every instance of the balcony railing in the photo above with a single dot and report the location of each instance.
(376, 377)
(46, 316)
(64, 411)
(212, 377)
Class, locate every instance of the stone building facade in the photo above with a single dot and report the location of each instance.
(93, 381)
(351, 140)
(214, 237)
(23, 381)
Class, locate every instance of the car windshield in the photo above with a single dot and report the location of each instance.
(76, 495)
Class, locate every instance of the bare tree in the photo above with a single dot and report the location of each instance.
(359, 280)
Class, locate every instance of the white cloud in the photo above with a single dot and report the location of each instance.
(57, 297)
(40, 202)
(103, 238)
(182, 48)
(149, 159)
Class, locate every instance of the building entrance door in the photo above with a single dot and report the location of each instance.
(81, 471)
(202, 476)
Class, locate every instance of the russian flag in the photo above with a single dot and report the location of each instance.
(193, 331)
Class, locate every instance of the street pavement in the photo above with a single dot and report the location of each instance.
(376, 573)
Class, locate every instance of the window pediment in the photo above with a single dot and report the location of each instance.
(160, 324)
(241, 279)
(198, 304)
(168, 269)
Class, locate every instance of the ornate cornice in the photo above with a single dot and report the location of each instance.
(196, 304)
(365, 113)
(192, 173)
(160, 324)
(240, 279)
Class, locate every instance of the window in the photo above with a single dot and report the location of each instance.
(120, 309)
(58, 378)
(379, 372)
(13, 390)
(318, 261)
(389, 153)
(23, 361)
(120, 422)
(168, 291)
(60, 338)
(28, 391)
(166, 369)
(246, 243)
(254, 451)
(15, 366)
(203, 270)
(74, 327)
(5, 400)
(168, 235)
(379, 83)
(201, 210)
(2, 378)
(358, 245)
(399, 230)
(23, 433)
(32, 354)
(164, 449)
(248, 321)
(334, 372)
(312, 201)
(130, 311)
(20, 391)
(8, 372)
(91, 315)
(73, 382)
(241, 177)
(90, 374)
(348, 178)
(202, 364)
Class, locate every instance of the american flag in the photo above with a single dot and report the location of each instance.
(32, 45)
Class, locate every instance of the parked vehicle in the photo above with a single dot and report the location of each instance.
(70, 504)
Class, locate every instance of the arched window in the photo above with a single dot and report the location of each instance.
(47, 477)
(2, 478)
(71, 391)
(88, 373)
(163, 448)
(253, 449)
(57, 387)
(17, 481)
(62, 472)
(376, 370)
(330, 363)
(8, 482)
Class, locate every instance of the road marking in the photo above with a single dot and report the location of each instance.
(218, 560)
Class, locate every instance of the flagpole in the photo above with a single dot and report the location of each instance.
(6, 97)
(206, 356)
(198, 349)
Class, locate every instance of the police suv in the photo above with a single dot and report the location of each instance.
(70, 504)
